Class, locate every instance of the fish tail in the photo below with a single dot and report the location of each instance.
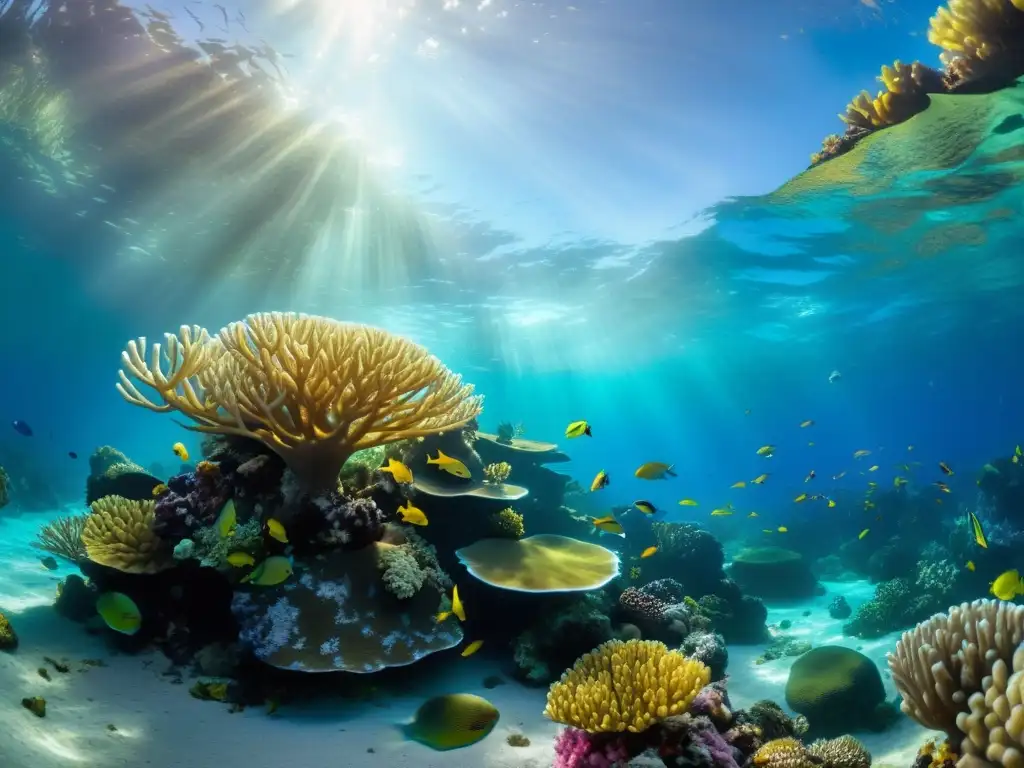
(669, 471)
(587, 431)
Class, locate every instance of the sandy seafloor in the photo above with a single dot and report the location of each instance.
(160, 726)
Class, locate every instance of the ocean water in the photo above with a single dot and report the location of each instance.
(593, 211)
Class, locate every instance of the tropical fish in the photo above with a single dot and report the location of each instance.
(979, 533)
(871, 486)
(800, 498)
(942, 487)
(601, 480)
(72, 455)
(412, 515)
(457, 608)
(578, 429)
(688, 503)
(179, 450)
(608, 524)
(753, 514)
(810, 443)
(1007, 585)
(945, 468)
(873, 468)
(808, 423)
(449, 465)
(22, 428)
(160, 489)
(740, 484)
(119, 612)
(452, 721)
(472, 648)
(782, 529)
(910, 447)
(969, 565)
(442, 616)
(831, 502)
(398, 470)
(861, 453)
(834, 377)
(766, 450)
(759, 480)
(899, 482)
(645, 506)
(810, 476)
(648, 552)
(863, 533)
(276, 530)
(227, 520)
(49, 563)
(992, 470)
(721, 512)
(767, 530)
(654, 470)
(746, 412)
(240, 559)
(270, 572)
(840, 476)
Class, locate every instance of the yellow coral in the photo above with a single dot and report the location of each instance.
(510, 523)
(625, 686)
(941, 755)
(906, 94)
(977, 30)
(205, 467)
(784, 753)
(497, 473)
(312, 389)
(119, 534)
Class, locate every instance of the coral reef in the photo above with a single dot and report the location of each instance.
(314, 390)
(773, 572)
(212, 549)
(838, 690)
(772, 722)
(596, 695)
(709, 649)
(402, 575)
(564, 630)
(63, 537)
(111, 473)
(118, 533)
(497, 473)
(509, 523)
(896, 604)
(542, 563)
(691, 554)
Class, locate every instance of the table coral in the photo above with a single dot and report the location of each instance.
(334, 614)
(542, 563)
(625, 686)
(312, 389)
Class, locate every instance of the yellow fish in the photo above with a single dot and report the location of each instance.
(872, 485)
(398, 470)
(783, 529)
(766, 450)
(240, 559)
(271, 572)
(648, 552)
(180, 451)
(873, 468)
(753, 514)
(869, 505)
(1007, 585)
(899, 481)
(654, 470)
(721, 512)
(740, 484)
(759, 480)
(979, 533)
(119, 612)
(442, 616)
(452, 721)
(449, 465)
(601, 480)
(800, 498)
(861, 454)
(608, 524)
(863, 533)
(645, 506)
(831, 503)
(472, 648)
(688, 503)
(577, 429)
(276, 530)
(227, 520)
(457, 607)
(767, 530)
(970, 565)
(810, 444)
(808, 423)
(412, 515)
(946, 470)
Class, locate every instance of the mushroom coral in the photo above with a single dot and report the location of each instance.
(542, 563)
(625, 686)
(335, 614)
(119, 534)
(312, 389)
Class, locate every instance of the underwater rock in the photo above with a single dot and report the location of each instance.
(334, 614)
(218, 659)
(75, 600)
(8, 638)
(36, 705)
(565, 628)
(111, 473)
(739, 618)
(774, 573)
(688, 553)
(772, 722)
(839, 608)
(839, 690)
(710, 649)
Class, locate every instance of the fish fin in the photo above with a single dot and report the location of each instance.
(441, 456)
(587, 431)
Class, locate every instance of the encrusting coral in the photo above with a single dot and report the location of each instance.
(312, 389)
(625, 686)
(63, 537)
(119, 534)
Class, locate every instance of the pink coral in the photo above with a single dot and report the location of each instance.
(578, 749)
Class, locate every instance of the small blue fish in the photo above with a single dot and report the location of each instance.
(22, 428)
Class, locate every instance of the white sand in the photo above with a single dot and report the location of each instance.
(160, 726)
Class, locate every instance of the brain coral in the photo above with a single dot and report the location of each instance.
(335, 614)
(314, 390)
(837, 689)
(542, 563)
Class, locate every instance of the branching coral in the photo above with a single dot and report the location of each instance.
(312, 389)
(509, 523)
(63, 537)
(624, 686)
(497, 473)
(979, 38)
(119, 534)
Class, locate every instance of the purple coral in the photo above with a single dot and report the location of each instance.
(578, 749)
(350, 523)
(192, 501)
